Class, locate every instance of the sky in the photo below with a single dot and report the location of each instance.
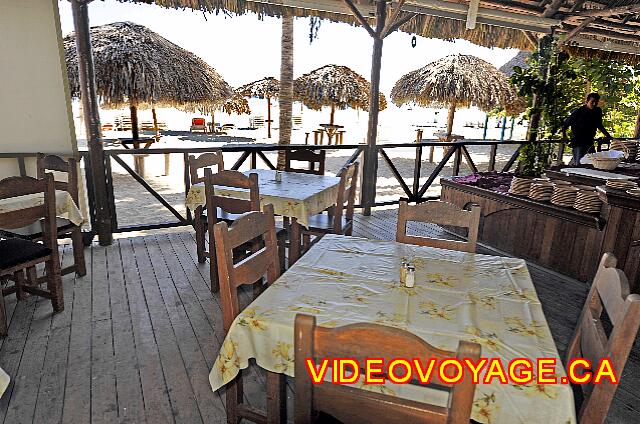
(244, 48)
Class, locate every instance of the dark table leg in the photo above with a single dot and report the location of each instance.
(294, 242)
(276, 398)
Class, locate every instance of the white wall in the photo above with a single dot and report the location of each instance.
(35, 107)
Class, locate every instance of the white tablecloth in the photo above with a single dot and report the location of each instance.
(297, 196)
(65, 206)
(343, 280)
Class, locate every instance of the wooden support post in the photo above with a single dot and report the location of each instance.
(91, 117)
(492, 157)
(504, 128)
(268, 117)
(513, 124)
(370, 168)
(486, 125)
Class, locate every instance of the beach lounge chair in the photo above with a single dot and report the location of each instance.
(198, 124)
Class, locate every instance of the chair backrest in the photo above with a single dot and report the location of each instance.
(233, 179)
(609, 293)
(346, 201)
(205, 160)
(303, 155)
(197, 121)
(45, 212)
(257, 227)
(362, 341)
(58, 164)
(441, 213)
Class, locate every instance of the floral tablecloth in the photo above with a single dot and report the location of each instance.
(4, 381)
(65, 206)
(343, 280)
(297, 196)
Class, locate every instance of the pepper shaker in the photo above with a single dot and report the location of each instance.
(278, 176)
(403, 270)
(411, 276)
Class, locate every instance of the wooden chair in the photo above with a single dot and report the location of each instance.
(65, 228)
(226, 209)
(340, 218)
(18, 255)
(609, 293)
(441, 213)
(202, 162)
(360, 341)
(250, 270)
(303, 155)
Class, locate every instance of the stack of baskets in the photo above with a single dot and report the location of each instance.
(629, 147)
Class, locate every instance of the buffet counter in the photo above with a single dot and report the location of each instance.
(559, 238)
(562, 239)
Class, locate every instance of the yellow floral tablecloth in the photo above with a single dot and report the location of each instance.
(65, 206)
(343, 280)
(4, 381)
(298, 196)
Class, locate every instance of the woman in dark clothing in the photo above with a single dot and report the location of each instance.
(584, 123)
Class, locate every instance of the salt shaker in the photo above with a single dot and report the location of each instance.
(278, 176)
(403, 270)
(411, 276)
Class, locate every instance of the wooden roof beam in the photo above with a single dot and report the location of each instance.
(613, 11)
(577, 29)
(552, 8)
(606, 46)
(440, 8)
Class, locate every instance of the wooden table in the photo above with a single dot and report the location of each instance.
(141, 143)
(343, 280)
(65, 206)
(331, 130)
(298, 196)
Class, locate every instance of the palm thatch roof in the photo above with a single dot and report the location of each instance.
(605, 28)
(134, 65)
(261, 89)
(336, 86)
(462, 80)
(238, 104)
(423, 25)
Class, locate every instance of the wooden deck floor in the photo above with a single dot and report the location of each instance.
(140, 333)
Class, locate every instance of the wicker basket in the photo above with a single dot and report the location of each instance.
(607, 164)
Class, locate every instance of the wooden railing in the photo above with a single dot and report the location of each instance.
(255, 155)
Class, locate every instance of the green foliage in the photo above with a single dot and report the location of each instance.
(533, 159)
(567, 82)
(558, 84)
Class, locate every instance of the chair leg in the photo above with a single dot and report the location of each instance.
(234, 398)
(19, 280)
(200, 240)
(32, 276)
(306, 242)
(3, 316)
(78, 252)
(213, 275)
(282, 243)
(54, 285)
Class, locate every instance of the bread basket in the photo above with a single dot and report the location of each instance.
(607, 160)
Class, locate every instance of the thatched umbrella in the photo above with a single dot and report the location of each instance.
(266, 88)
(135, 66)
(237, 104)
(334, 86)
(457, 81)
